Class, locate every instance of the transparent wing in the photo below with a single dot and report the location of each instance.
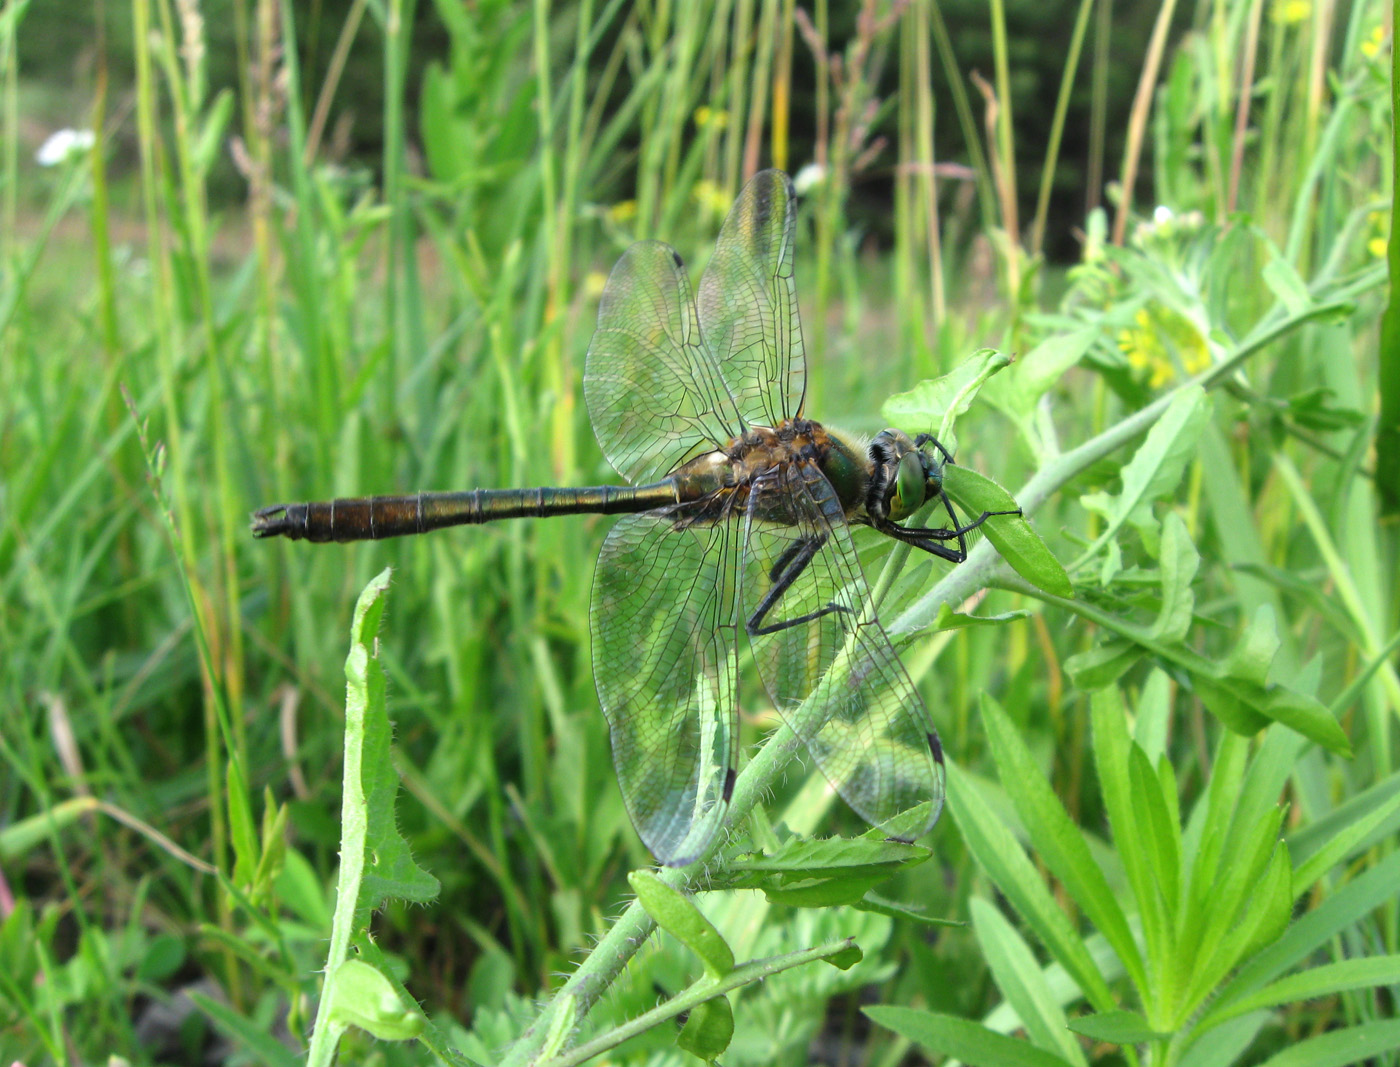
(664, 635)
(655, 395)
(864, 722)
(748, 303)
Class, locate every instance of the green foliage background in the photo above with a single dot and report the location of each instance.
(222, 305)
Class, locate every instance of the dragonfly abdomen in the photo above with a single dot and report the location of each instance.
(373, 518)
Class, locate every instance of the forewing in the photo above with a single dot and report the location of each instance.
(664, 635)
(748, 303)
(655, 395)
(836, 678)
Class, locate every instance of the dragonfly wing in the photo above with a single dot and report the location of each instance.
(655, 395)
(664, 639)
(748, 303)
(825, 659)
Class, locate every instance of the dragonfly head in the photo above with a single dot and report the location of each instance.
(907, 473)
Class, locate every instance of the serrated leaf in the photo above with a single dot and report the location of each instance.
(1116, 1027)
(1012, 535)
(372, 783)
(677, 914)
(708, 1030)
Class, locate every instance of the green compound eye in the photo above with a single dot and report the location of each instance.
(908, 485)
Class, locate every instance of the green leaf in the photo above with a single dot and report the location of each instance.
(1116, 1027)
(708, 1030)
(1012, 535)
(1246, 708)
(1031, 376)
(677, 914)
(878, 905)
(938, 401)
(1112, 745)
(1160, 834)
(1338, 1048)
(1312, 411)
(1250, 659)
(1237, 907)
(1232, 708)
(1022, 982)
(1345, 830)
(948, 619)
(1002, 859)
(371, 779)
(1285, 283)
(1271, 904)
(1155, 468)
(361, 996)
(1179, 561)
(1057, 839)
(1344, 907)
(846, 958)
(961, 1039)
(1317, 982)
(1103, 664)
(821, 873)
(1226, 1044)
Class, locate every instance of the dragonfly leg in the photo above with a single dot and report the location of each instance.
(928, 538)
(786, 569)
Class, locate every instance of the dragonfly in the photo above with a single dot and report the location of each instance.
(738, 524)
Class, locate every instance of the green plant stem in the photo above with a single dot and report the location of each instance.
(697, 994)
(1057, 125)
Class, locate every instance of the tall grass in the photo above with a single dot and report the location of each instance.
(171, 772)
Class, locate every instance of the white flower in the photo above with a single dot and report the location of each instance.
(63, 144)
(1162, 214)
(808, 178)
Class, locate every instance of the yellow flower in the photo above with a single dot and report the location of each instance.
(593, 284)
(625, 211)
(1372, 46)
(710, 196)
(1380, 234)
(1290, 12)
(1146, 345)
(706, 116)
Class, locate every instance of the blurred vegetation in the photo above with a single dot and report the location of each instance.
(240, 296)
